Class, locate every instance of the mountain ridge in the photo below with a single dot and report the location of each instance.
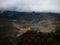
(27, 15)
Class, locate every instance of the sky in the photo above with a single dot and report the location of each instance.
(30, 5)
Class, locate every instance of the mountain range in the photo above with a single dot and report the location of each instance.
(27, 15)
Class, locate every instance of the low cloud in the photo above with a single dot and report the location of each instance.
(30, 5)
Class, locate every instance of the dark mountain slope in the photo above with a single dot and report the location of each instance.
(27, 15)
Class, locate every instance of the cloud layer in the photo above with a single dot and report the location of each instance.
(30, 5)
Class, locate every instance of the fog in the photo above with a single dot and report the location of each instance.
(30, 5)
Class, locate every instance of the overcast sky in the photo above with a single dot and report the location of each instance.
(31, 5)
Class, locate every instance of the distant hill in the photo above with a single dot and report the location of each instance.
(27, 15)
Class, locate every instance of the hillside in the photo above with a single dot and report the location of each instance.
(15, 24)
